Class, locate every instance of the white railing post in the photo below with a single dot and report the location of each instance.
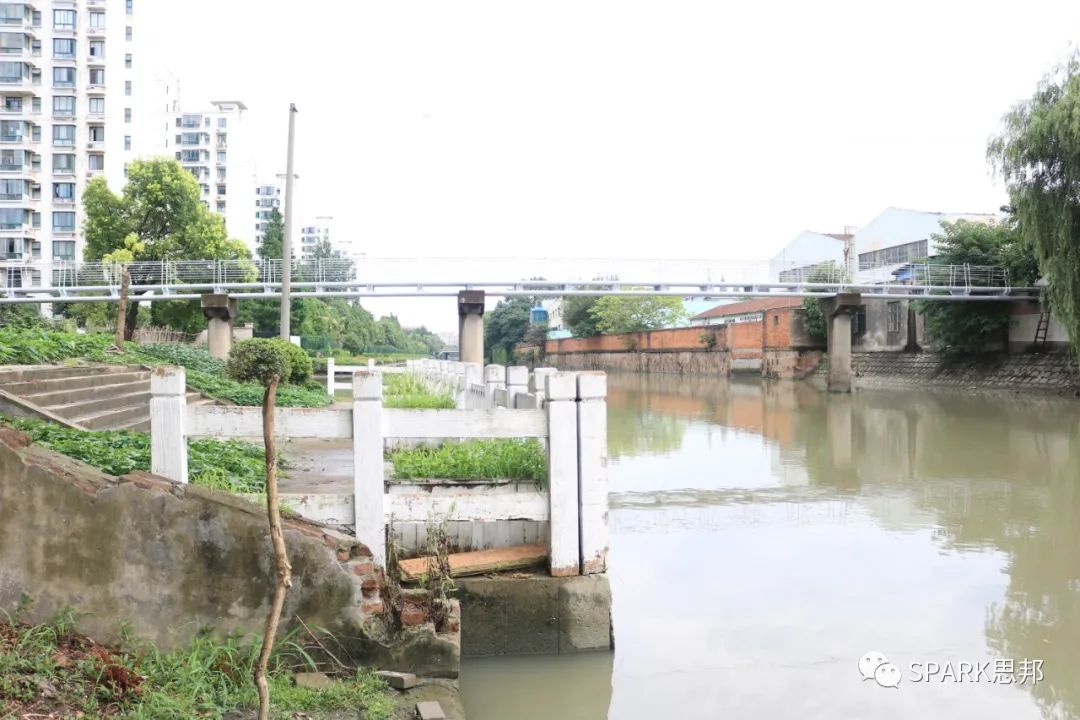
(517, 381)
(592, 471)
(368, 463)
(494, 379)
(474, 375)
(371, 363)
(330, 375)
(563, 551)
(538, 384)
(168, 439)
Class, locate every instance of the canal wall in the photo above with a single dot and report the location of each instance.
(1053, 371)
(168, 560)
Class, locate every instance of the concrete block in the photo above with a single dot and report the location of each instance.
(430, 710)
(398, 680)
(584, 614)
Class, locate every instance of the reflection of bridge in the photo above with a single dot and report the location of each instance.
(446, 277)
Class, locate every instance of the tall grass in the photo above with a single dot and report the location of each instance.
(406, 391)
(515, 459)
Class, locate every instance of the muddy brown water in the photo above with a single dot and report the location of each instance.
(765, 538)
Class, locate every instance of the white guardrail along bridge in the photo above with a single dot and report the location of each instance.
(29, 282)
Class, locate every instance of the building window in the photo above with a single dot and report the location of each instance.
(189, 156)
(64, 191)
(222, 122)
(892, 320)
(130, 6)
(97, 19)
(97, 48)
(97, 106)
(97, 133)
(35, 105)
(220, 189)
(221, 174)
(63, 19)
(63, 77)
(12, 159)
(127, 87)
(127, 32)
(13, 104)
(12, 218)
(64, 249)
(63, 221)
(95, 162)
(63, 48)
(12, 189)
(97, 76)
(35, 219)
(127, 115)
(63, 164)
(895, 255)
(858, 321)
(127, 142)
(11, 72)
(11, 130)
(63, 134)
(35, 133)
(221, 157)
(12, 43)
(127, 60)
(63, 105)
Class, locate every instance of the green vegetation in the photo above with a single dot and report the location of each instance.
(1038, 155)
(505, 326)
(627, 314)
(517, 459)
(406, 391)
(816, 325)
(578, 315)
(50, 671)
(33, 345)
(957, 328)
(230, 465)
(158, 216)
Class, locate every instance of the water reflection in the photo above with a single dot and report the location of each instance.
(787, 532)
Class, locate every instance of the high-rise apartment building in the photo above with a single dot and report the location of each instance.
(65, 117)
(313, 233)
(213, 146)
(267, 197)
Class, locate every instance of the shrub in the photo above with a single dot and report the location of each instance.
(33, 345)
(258, 360)
(300, 368)
(190, 356)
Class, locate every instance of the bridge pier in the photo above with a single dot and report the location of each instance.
(220, 310)
(838, 311)
(471, 326)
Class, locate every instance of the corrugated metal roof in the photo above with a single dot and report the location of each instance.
(749, 306)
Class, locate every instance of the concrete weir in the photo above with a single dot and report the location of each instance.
(534, 615)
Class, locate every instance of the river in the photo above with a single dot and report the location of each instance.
(764, 538)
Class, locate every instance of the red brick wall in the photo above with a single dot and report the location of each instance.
(676, 339)
(778, 328)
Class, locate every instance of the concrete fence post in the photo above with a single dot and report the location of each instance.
(330, 376)
(168, 438)
(563, 552)
(494, 379)
(517, 381)
(538, 384)
(371, 363)
(592, 471)
(368, 462)
(474, 375)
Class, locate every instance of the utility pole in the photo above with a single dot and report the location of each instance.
(286, 245)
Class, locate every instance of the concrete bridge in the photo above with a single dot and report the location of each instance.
(221, 284)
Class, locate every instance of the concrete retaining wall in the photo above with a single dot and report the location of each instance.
(1049, 371)
(172, 559)
(685, 362)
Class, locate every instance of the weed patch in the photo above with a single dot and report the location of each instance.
(406, 391)
(517, 459)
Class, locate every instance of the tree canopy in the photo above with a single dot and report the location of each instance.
(577, 315)
(629, 313)
(1038, 155)
(273, 242)
(505, 326)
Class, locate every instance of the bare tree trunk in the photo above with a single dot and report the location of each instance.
(284, 571)
(121, 312)
(132, 318)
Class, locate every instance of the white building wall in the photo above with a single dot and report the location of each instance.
(267, 196)
(807, 249)
(74, 51)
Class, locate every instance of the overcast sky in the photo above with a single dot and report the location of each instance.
(634, 129)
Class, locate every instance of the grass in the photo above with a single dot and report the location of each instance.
(49, 671)
(230, 465)
(516, 459)
(406, 391)
(35, 345)
(207, 374)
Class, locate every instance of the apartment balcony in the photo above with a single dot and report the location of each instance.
(17, 86)
(63, 202)
(94, 172)
(11, 256)
(12, 139)
(9, 200)
(96, 31)
(13, 169)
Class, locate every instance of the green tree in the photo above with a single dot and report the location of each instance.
(1038, 155)
(577, 314)
(160, 211)
(816, 325)
(506, 325)
(272, 245)
(955, 327)
(629, 313)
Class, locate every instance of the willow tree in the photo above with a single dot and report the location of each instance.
(1038, 155)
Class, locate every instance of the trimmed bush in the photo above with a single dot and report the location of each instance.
(258, 360)
(300, 367)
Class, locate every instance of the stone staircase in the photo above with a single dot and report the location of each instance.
(95, 397)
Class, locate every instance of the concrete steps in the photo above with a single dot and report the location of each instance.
(97, 397)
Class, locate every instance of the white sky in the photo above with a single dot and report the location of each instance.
(633, 129)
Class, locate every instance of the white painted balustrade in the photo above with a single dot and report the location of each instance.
(565, 410)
